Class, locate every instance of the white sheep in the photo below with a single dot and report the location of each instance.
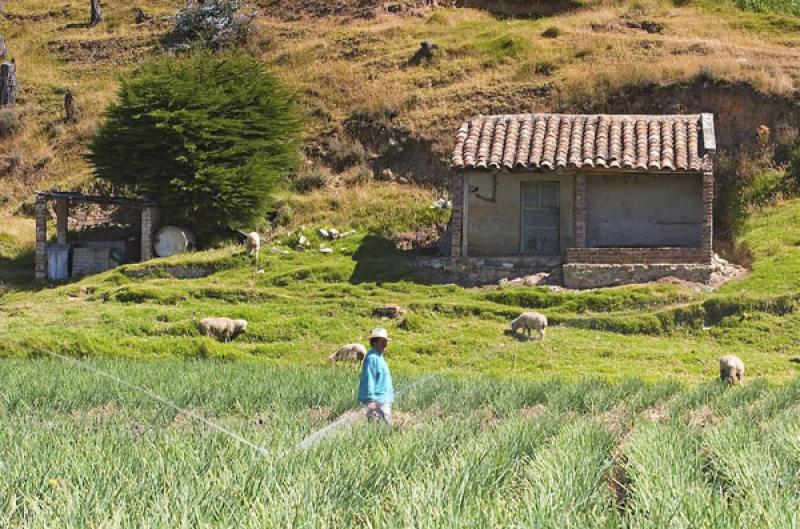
(731, 368)
(529, 321)
(224, 329)
(354, 352)
(253, 243)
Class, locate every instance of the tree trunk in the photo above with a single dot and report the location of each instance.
(8, 84)
(97, 15)
(70, 108)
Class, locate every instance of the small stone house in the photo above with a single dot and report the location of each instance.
(614, 199)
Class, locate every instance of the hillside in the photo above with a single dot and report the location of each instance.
(351, 68)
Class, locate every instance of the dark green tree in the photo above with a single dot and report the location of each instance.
(209, 135)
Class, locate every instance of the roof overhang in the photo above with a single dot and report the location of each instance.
(641, 143)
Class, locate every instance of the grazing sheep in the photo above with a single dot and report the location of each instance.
(529, 321)
(253, 243)
(224, 329)
(354, 352)
(731, 368)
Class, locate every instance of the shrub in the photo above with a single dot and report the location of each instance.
(342, 154)
(9, 122)
(211, 136)
(310, 182)
(214, 24)
(551, 32)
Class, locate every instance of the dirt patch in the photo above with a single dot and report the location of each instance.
(522, 8)
(320, 414)
(137, 430)
(425, 238)
(616, 421)
(488, 417)
(292, 10)
(117, 50)
(393, 148)
(184, 419)
(701, 417)
(103, 411)
(618, 481)
(532, 413)
(656, 413)
(435, 411)
(406, 420)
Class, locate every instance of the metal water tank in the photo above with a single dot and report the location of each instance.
(171, 240)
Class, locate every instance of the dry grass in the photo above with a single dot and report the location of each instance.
(483, 65)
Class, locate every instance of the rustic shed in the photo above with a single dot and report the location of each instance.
(126, 234)
(613, 198)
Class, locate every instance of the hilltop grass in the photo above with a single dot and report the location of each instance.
(304, 305)
(477, 452)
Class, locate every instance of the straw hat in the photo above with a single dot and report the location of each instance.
(379, 332)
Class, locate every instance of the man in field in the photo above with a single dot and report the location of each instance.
(375, 390)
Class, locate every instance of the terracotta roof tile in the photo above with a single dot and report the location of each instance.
(552, 141)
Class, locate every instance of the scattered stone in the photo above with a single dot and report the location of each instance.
(649, 26)
(334, 233)
(260, 271)
(275, 249)
(386, 175)
(324, 233)
(388, 311)
(86, 290)
(326, 250)
(302, 241)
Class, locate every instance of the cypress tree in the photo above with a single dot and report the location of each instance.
(210, 135)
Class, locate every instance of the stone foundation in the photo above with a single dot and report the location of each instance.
(582, 275)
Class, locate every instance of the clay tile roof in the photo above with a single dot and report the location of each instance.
(554, 141)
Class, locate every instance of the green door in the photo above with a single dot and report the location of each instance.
(540, 218)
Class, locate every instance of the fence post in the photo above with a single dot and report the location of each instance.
(8, 84)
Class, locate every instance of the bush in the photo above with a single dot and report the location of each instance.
(9, 122)
(551, 32)
(211, 136)
(344, 154)
(214, 24)
(310, 182)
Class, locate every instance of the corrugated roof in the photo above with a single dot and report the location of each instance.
(553, 141)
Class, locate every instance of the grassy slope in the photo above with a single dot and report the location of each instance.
(305, 304)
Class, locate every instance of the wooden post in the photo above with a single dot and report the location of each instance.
(3, 49)
(150, 220)
(71, 112)
(8, 84)
(40, 266)
(96, 15)
(62, 214)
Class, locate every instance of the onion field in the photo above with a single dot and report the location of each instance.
(78, 449)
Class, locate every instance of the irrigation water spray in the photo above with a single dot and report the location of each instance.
(347, 418)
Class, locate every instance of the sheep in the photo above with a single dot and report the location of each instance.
(253, 243)
(354, 352)
(731, 368)
(528, 321)
(224, 329)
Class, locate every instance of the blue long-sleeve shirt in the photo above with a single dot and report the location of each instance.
(376, 380)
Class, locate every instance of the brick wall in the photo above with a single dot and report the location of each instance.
(637, 255)
(707, 236)
(457, 219)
